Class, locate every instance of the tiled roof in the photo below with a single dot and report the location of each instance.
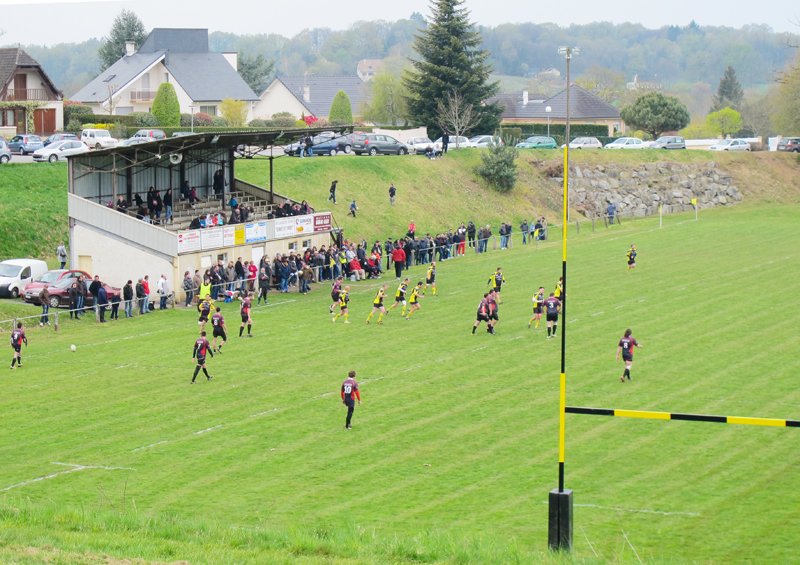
(322, 89)
(583, 106)
(118, 75)
(13, 57)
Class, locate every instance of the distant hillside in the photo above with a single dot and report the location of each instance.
(669, 55)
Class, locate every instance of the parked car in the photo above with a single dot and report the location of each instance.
(132, 141)
(669, 142)
(731, 145)
(59, 294)
(98, 139)
(485, 140)
(419, 145)
(150, 134)
(789, 144)
(585, 143)
(24, 144)
(15, 274)
(453, 142)
(293, 149)
(626, 143)
(182, 133)
(59, 137)
(33, 290)
(5, 152)
(336, 145)
(59, 150)
(537, 142)
(373, 143)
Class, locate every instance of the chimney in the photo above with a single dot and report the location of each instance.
(130, 48)
(233, 59)
(524, 97)
(306, 93)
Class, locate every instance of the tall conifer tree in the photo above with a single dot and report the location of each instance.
(450, 60)
(729, 93)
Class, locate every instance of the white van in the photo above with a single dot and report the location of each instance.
(98, 139)
(16, 273)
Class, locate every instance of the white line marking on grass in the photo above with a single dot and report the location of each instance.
(597, 314)
(636, 553)
(479, 348)
(573, 320)
(211, 429)
(122, 366)
(642, 300)
(323, 395)
(264, 413)
(162, 442)
(73, 469)
(639, 510)
(411, 368)
(516, 338)
(620, 306)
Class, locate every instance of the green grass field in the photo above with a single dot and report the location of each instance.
(109, 454)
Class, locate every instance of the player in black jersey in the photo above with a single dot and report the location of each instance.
(413, 301)
(631, 255)
(552, 306)
(220, 330)
(377, 305)
(201, 348)
(245, 312)
(538, 303)
(17, 339)
(400, 297)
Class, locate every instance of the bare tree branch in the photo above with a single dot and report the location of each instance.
(455, 115)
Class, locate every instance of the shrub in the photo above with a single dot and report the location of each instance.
(300, 124)
(499, 167)
(283, 119)
(73, 110)
(341, 112)
(143, 119)
(203, 119)
(166, 107)
(74, 125)
(257, 123)
(234, 112)
(218, 121)
(511, 135)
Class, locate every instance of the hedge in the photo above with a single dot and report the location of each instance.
(559, 130)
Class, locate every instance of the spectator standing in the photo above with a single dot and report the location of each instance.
(392, 194)
(163, 292)
(611, 211)
(445, 142)
(252, 276)
(141, 296)
(197, 280)
(73, 300)
(412, 230)
(309, 144)
(219, 184)
(146, 287)
(168, 206)
(44, 298)
(399, 258)
(61, 253)
(115, 306)
(523, 227)
(263, 285)
(82, 291)
(332, 195)
(188, 288)
(240, 274)
(127, 297)
(353, 208)
(102, 303)
(306, 276)
(94, 288)
(471, 233)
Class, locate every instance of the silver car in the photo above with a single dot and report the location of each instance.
(731, 145)
(59, 150)
(585, 143)
(669, 142)
(5, 152)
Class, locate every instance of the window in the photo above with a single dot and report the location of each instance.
(293, 246)
(166, 77)
(306, 243)
(210, 110)
(109, 78)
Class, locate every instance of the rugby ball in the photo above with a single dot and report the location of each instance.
(73, 348)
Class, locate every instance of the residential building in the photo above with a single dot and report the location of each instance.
(310, 95)
(202, 78)
(585, 108)
(23, 81)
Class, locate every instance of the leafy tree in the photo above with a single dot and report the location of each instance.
(341, 112)
(234, 112)
(256, 71)
(166, 107)
(724, 122)
(499, 167)
(696, 130)
(786, 118)
(388, 101)
(656, 113)
(450, 60)
(729, 93)
(127, 27)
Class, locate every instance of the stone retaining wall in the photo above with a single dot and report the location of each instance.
(640, 189)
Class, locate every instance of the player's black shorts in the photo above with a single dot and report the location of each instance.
(219, 332)
(335, 296)
(203, 318)
(17, 347)
(631, 261)
(245, 316)
(494, 317)
(378, 305)
(349, 402)
(552, 317)
(201, 360)
(483, 318)
(497, 286)
(399, 298)
(627, 358)
(430, 280)
(537, 309)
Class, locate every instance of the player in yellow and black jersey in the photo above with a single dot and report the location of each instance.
(538, 301)
(496, 280)
(400, 297)
(413, 300)
(377, 305)
(430, 279)
(344, 300)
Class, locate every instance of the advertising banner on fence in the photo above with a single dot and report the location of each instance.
(229, 236)
(239, 237)
(189, 241)
(212, 238)
(294, 226)
(323, 222)
(255, 232)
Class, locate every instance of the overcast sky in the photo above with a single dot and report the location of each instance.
(49, 22)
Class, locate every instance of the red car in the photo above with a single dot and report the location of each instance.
(59, 293)
(34, 289)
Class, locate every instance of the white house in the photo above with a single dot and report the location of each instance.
(202, 78)
(310, 95)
